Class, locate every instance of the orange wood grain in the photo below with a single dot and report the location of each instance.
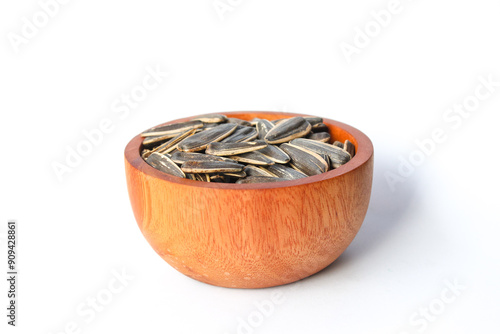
(253, 235)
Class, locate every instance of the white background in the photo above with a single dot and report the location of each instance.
(439, 226)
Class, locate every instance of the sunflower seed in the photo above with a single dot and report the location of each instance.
(255, 121)
(263, 127)
(257, 171)
(148, 141)
(238, 121)
(314, 120)
(285, 172)
(182, 157)
(145, 153)
(211, 118)
(164, 164)
(202, 177)
(208, 126)
(276, 154)
(172, 143)
(174, 129)
(279, 121)
(200, 141)
(323, 137)
(211, 167)
(255, 158)
(320, 127)
(308, 162)
(337, 156)
(236, 174)
(349, 148)
(241, 134)
(338, 144)
(222, 149)
(289, 129)
(259, 179)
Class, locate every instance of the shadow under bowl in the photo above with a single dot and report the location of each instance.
(252, 235)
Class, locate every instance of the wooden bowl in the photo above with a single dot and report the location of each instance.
(252, 235)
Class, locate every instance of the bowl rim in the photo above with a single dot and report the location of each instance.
(363, 154)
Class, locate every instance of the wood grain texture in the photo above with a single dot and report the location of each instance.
(252, 235)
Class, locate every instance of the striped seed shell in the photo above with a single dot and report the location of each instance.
(259, 179)
(149, 141)
(251, 170)
(200, 141)
(164, 164)
(337, 155)
(182, 157)
(320, 127)
(323, 137)
(307, 161)
(241, 134)
(238, 121)
(255, 121)
(263, 127)
(255, 158)
(145, 153)
(222, 149)
(314, 120)
(286, 172)
(202, 177)
(338, 144)
(236, 174)
(276, 154)
(171, 145)
(349, 148)
(211, 167)
(211, 118)
(287, 130)
(170, 129)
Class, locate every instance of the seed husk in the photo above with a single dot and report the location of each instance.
(338, 144)
(224, 149)
(251, 170)
(337, 155)
(259, 179)
(276, 154)
(255, 121)
(263, 127)
(238, 121)
(171, 145)
(207, 167)
(202, 177)
(182, 157)
(200, 141)
(241, 134)
(236, 174)
(320, 127)
(211, 118)
(285, 172)
(145, 153)
(255, 158)
(152, 140)
(287, 130)
(164, 164)
(314, 120)
(349, 148)
(308, 162)
(323, 137)
(174, 129)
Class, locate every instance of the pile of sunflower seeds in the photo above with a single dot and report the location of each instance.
(217, 148)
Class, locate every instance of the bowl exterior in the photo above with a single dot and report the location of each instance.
(249, 238)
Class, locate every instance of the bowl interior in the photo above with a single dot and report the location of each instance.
(338, 131)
